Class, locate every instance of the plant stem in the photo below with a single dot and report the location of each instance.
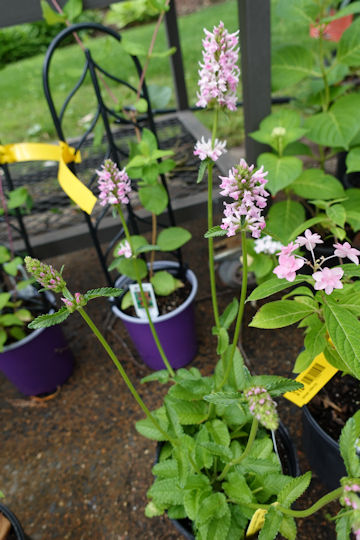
(241, 308)
(326, 499)
(113, 357)
(153, 241)
(250, 441)
(210, 225)
(143, 298)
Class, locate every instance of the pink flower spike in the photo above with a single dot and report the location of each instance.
(204, 149)
(288, 265)
(328, 279)
(309, 240)
(346, 250)
(113, 184)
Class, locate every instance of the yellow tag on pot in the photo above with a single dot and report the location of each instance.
(313, 378)
(257, 522)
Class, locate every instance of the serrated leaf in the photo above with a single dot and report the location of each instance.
(213, 506)
(275, 384)
(294, 489)
(282, 171)
(237, 489)
(288, 528)
(166, 469)
(279, 314)
(146, 427)
(337, 214)
(165, 492)
(343, 528)
(215, 231)
(347, 442)
(103, 291)
(202, 170)
(349, 47)
(218, 527)
(218, 450)
(151, 510)
(223, 398)
(162, 376)
(272, 286)
(271, 526)
(219, 432)
(190, 412)
(352, 205)
(344, 331)
(44, 321)
(203, 457)
(223, 341)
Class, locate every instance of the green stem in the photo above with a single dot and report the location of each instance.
(113, 357)
(326, 101)
(250, 441)
(326, 499)
(240, 310)
(143, 298)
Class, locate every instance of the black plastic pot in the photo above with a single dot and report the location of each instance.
(16, 532)
(291, 467)
(323, 453)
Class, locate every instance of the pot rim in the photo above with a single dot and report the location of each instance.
(34, 333)
(309, 417)
(162, 318)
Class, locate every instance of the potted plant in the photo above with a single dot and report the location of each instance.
(35, 362)
(174, 324)
(217, 464)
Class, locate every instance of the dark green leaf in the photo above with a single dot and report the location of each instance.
(229, 314)
(173, 238)
(279, 314)
(103, 291)
(215, 231)
(273, 286)
(43, 321)
(202, 169)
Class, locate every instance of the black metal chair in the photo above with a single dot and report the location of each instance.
(107, 115)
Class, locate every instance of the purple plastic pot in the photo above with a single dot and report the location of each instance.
(176, 330)
(39, 363)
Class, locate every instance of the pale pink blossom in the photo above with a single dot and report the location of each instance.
(287, 250)
(114, 185)
(346, 250)
(205, 149)
(309, 240)
(246, 187)
(219, 73)
(288, 266)
(328, 279)
(125, 250)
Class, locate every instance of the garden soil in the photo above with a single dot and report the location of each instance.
(74, 467)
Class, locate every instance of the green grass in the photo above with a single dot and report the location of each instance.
(25, 115)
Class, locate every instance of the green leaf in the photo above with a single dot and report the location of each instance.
(218, 450)
(51, 16)
(279, 314)
(126, 301)
(163, 54)
(273, 286)
(12, 267)
(4, 298)
(288, 528)
(343, 528)
(339, 125)
(162, 376)
(141, 105)
(315, 184)
(347, 442)
(349, 47)
(344, 331)
(223, 398)
(215, 231)
(353, 160)
(164, 283)
(103, 291)
(133, 48)
(153, 198)
(237, 489)
(202, 170)
(282, 170)
(352, 208)
(343, 12)
(128, 267)
(190, 412)
(275, 385)
(10, 319)
(165, 492)
(159, 96)
(151, 510)
(287, 119)
(291, 64)
(315, 339)
(166, 469)
(321, 218)
(173, 238)
(146, 428)
(219, 432)
(166, 166)
(271, 526)
(4, 254)
(18, 197)
(337, 214)
(223, 341)
(72, 9)
(283, 218)
(23, 314)
(218, 527)
(213, 506)
(294, 489)
(230, 313)
(44, 321)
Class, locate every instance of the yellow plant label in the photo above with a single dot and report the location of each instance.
(257, 522)
(313, 378)
(73, 187)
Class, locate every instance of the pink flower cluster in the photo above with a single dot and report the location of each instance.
(246, 186)
(125, 250)
(205, 149)
(219, 73)
(45, 274)
(351, 500)
(262, 406)
(114, 185)
(325, 278)
(77, 301)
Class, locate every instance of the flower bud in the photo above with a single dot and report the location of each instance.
(77, 301)
(45, 274)
(262, 406)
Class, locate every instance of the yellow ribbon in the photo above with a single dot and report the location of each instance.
(73, 187)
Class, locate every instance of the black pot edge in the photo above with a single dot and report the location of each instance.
(309, 417)
(20, 535)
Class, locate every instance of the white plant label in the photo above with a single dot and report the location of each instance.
(150, 299)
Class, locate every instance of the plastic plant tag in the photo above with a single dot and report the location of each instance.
(257, 522)
(138, 303)
(313, 378)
